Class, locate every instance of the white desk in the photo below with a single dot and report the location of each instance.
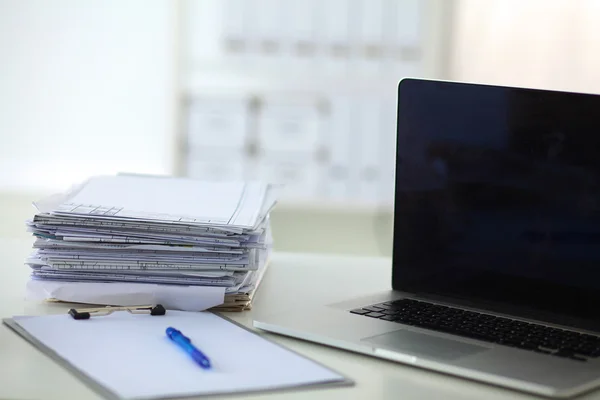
(292, 280)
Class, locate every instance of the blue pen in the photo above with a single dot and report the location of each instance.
(185, 343)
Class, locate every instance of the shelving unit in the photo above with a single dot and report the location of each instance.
(303, 93)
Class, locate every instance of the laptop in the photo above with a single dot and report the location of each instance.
(496, 242)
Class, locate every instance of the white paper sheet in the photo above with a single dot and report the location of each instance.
(200, 258)
(174, 199)
(186, 298)
(59, 244)
(131, 356)
(206, 273)
(57, 256)
(113, 265)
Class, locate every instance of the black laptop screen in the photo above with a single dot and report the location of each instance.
(498, 197)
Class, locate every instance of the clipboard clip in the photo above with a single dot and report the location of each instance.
(87, 313)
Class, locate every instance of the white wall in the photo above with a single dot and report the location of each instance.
(86, 87)
(550, 44)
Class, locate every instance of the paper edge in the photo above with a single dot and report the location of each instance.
(49, 203)
(69, 299)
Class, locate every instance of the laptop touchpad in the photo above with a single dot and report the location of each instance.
(424, 345)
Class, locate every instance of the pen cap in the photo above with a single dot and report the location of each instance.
(176, 335)
(172, 332)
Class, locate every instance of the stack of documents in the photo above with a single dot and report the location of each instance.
(130, 240)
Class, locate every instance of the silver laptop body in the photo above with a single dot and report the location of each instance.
(496, 262)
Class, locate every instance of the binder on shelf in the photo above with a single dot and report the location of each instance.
(403, 36)
(236, 31)
(265, 33)
(300, 41)
(333, 31)
(338, 139)
(369, 47)
(369, 132)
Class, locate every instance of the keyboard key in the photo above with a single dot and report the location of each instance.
(374, 315)
(383, 306)
(589, 338)
(373, 309)
(360, 311)
(585, 350)
(563, 353)
(578, 358)
(595, 353)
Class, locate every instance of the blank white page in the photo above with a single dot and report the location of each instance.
(171, 199)
(131, 356)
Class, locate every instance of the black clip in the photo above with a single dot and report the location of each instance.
(87, 313)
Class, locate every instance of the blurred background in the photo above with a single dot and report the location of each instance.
(296, 92)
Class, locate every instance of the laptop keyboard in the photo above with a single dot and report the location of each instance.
(488, 328)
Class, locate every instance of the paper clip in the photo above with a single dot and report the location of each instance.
(87, 313)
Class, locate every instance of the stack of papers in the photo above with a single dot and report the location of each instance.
(130, 240)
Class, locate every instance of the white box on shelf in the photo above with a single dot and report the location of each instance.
(218, 121)
(213, 170)
(299, 172)
(289, 125)
(219, 164)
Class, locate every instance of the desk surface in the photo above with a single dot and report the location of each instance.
(292, 280)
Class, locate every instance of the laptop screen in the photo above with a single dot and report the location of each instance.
(498, 198)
